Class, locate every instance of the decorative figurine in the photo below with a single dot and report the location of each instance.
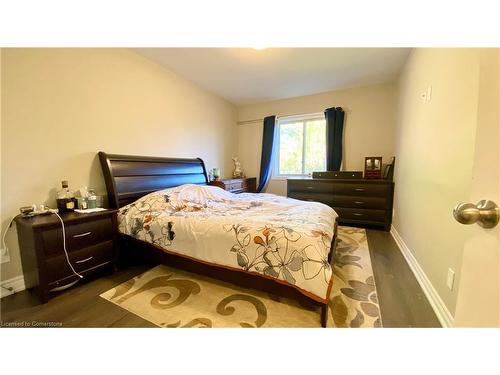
(237, 172)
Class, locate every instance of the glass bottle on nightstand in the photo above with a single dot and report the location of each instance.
(65, 198)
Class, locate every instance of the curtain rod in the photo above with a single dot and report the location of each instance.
(249, 121)
(283, 116)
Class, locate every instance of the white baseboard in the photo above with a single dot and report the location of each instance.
(437, 304)
(16, 283)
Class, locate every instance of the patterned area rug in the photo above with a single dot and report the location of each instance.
(169, 297)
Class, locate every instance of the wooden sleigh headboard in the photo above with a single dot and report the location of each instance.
(130, 177)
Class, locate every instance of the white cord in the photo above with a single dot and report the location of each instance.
(4, 246)
(64, 246)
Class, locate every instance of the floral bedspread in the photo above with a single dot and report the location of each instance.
(281, 238)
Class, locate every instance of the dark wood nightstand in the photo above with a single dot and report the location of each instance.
(237, 185)
(90, 242)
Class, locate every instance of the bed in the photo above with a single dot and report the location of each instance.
(168, 214)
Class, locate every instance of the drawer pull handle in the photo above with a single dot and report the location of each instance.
(82, 234)
(356, 214)
(359, 189)
(310, 187)
(359, 202)
(62, 287)
(84, 260)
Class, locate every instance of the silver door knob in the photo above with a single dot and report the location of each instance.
(485, 213)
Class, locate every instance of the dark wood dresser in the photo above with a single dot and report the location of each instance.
(237, 185)
(90, 242)
(356, 201)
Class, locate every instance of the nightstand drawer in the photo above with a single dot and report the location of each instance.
(234, 186)
(90, 242)
(86, 258)
(78, 236)
(237, 191)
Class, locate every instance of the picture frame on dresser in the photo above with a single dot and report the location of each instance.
(389, 170)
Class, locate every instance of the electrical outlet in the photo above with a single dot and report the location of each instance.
(4, 256)
(450, 280)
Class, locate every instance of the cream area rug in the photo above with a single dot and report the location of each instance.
(169, 297)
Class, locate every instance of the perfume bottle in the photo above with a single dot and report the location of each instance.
(216, 174)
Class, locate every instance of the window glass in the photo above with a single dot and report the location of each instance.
(301, 146)
(315, 146)
(291, 147)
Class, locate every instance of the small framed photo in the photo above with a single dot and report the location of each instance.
(373, 167)
(389, 170)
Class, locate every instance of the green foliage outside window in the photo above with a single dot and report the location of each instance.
(302, 147)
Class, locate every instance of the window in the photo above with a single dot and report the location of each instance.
(301, 145)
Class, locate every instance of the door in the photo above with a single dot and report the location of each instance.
(478, 303)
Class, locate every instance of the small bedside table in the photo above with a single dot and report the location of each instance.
(90, 242)
(237, 185)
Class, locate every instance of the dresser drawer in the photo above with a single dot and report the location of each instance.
(361, 214)
(353, 201)
(313, 197)
(83, 259)
(362, 190)
(78, 236)
(310, 186)
(234, 187)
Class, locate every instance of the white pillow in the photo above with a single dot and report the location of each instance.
(203, 194)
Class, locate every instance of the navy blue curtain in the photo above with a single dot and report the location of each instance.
(334, 129)
(267, 152)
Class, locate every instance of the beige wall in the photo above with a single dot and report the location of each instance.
(369, 125)
(1, 221)
(435, 149)
(61, 106)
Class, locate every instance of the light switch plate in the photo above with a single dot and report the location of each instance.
(450, 280)
(428, 95)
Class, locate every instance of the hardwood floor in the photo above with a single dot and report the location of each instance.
(80, 306)
(402, 302)
(401, 299)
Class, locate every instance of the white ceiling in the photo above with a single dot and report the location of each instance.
(246, 75)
